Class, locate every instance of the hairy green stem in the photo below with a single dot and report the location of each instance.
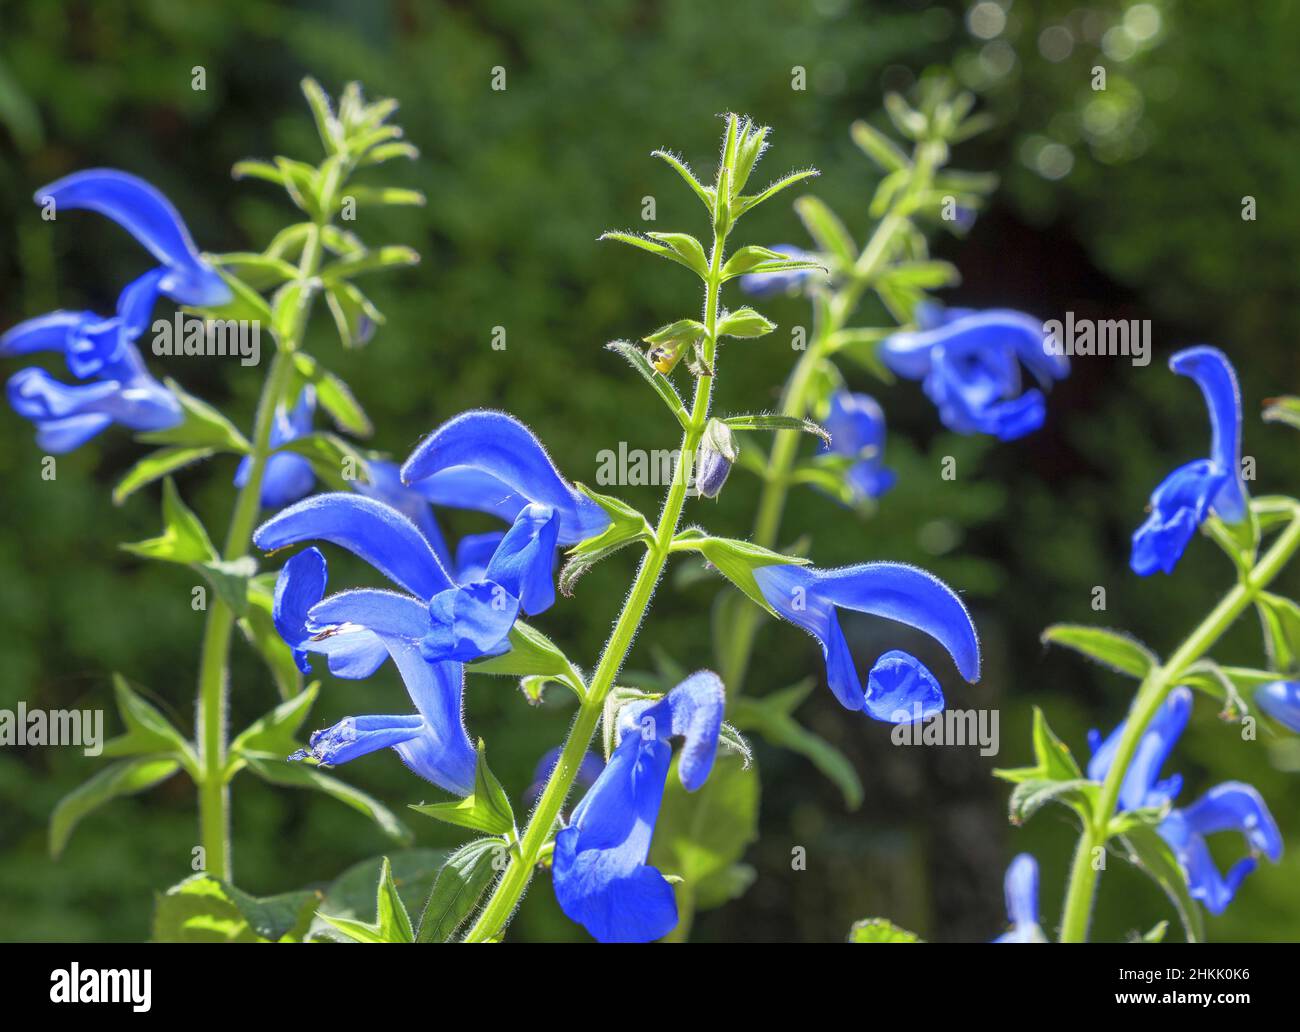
(1152, 693)
(510, 888)
(214, 791)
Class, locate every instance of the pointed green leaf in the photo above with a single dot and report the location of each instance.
(879, 147)
(278, 771)
(485, 809)
(775, 421)
(126, 777)
(202, 426)
(155, 465)
(736, 560)
(1114, 649)
(459, 886)
(877, 929)
(744, 323)
(183, 540)
(826, 229)
(662, 385)
(1151, 853)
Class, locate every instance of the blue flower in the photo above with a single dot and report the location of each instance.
(1281, 701)
(102, 351)
(857, 428)
(288, 475)
(143, 211)
(491, 462)
(1021, 888)
(899, 689)
(432, 742)
(461, 621)
(969, 365)
(386, 485)
(601, 877)
(765, 284)
(1186, 497)
(1231, 806)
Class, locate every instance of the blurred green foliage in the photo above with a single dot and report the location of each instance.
(520, 183)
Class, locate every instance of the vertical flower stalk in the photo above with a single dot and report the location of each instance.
(743, 144)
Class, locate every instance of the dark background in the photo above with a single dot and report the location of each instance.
(1142, 220)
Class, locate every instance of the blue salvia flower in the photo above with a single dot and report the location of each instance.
(899, 688)
(385, 485)
(143, 211)
(1281, 701)
(102, 350)
(765, 284)
(599, 867)
(288, 475)
(461, 621)
(491, 462)
(433, 741)
(1231, 806)
(1021, 889)
(857, 427)
(969, 363)
(1186, 497)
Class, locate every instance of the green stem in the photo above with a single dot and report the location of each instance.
(214, 792)
(510, 889)
(1152, 693)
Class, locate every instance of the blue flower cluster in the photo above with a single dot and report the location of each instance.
(101, 350)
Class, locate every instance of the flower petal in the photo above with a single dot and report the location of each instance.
(524, 561)
(1281, 701)
(693, 712)
(1214, 374)
(375, 532)
(901, 690)
(498, 446)
(474, 552)
(385, 485)
(353, 737)
(470, 622)
(143, 211)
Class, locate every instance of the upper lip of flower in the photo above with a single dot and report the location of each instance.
(490, 461)
(144, 212)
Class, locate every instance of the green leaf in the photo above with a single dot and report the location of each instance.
(203, 909)
(289, 309)
(389, 196)
(1157, 932)
(923, 275)
(877, 929)
(334, 396)
(381, 258)
(675, 334)
(147, 732)
(1115, 649)
(772, 716)
(394, 921)
(202, 426)
(627, 526)
(258, 271)
(736, 560)
(1151, 853)
(701, 835)
(745, 323)
(458, 888)
(334, 460)
(354, 315)
(183, 540)
(485, 809)
(826, 229)
(352, 896)
(689, 251)
(1283, 410)
(126, 777)
(246, 305)
(331, 133)
(1031, 796)
(879, 147)
(763, 259)
(157, 464)
(278, 771)
(1053, 760)
(531, 654)
(745, 204)
(275, 732)
(1280, 618)
(775, 421)
(299, 182)
(680, 167)
(662, 385)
